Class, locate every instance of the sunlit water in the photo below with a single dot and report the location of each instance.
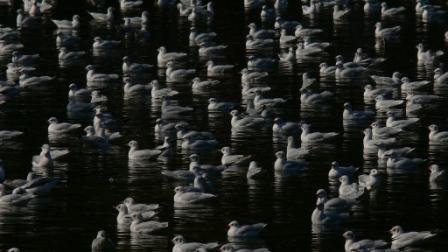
(93, 182)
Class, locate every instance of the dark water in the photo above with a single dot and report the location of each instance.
(69, 218)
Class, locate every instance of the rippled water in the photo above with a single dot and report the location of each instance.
(93, 182)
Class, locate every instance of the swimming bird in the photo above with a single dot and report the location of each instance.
(231, 248)
(427, 56)
(158, 92)
(407, 85)
(242, 123)
(67, 40)
(288, 166)
(39, 185)
(140, 225)
(333, 205)
(107, 17)
(369, 181)
(180, 245)
(384, 132)
(229, 159)
(163, 57)
(285, 39)
(401, 239)
(370, 93)
(9, 134)
(309, 98)
(218, 70)
(129, 5)
(178, 75)
(139, 207)
(326, 71)
(290, 57)
(301, 32)
(262, 64)
(44, 159)
(260, 101)
(260, 33)
(383, 104)
(440, 78)
(182, 175)
(141, 154)
(252, 77)
(131, 68)
(315, 137)
(125, 217)
(73, 24)
(391, 12)
(321, 217)
(437, 174)
(93, 76)
(24, 59)
(285, 128)
(372, 7)
(204, 168)
(69, 58)
(384, 153)
(102, 44)
(254, 171)
(395, 80)
(337, 171)
(352, 115)
(211, 50)
(343, 72)
(170, 109)
(370, 143)
(349, 191)
(340, 13)
(387, 33)
(18, 197)
(133, 88)
(183, 196)
(248, 91)
(189, 143)
(215, 106)
(436, 136)
(55, 127)
(236, 230)
(395, 163)
(258, 44)
(361, 245)
(421, 98)
(393, 122)
(101, 243)
(198, 85)
(294, 153)
(27, 81)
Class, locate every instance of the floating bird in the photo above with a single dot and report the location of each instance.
(237, 230)
(401, 239)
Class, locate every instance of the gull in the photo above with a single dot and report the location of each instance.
(401, 239)
(236, 230)
(337, 171)
(349, 191)
(56, 127)
(369, 181)
(180, 245)
(140, 225)
(361, 245)
(281, 164)
(184, 196)
(142, 154)
(102, 243)
(229, 159)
